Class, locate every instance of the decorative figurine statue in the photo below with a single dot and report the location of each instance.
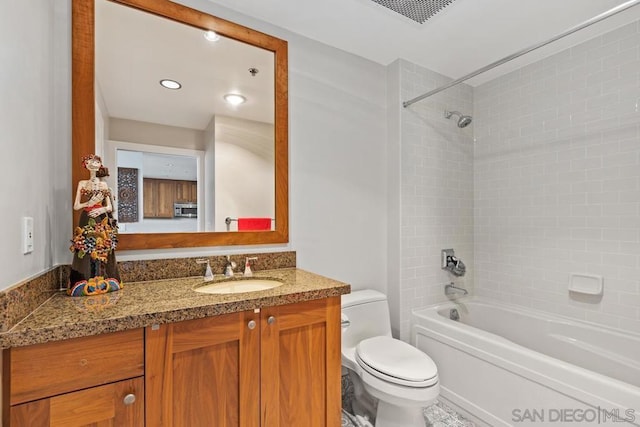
(94, 270)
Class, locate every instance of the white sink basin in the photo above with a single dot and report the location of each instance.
(239, 286)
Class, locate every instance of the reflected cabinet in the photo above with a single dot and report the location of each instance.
(161, 195)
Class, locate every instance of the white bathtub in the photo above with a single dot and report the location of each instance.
(503, 365)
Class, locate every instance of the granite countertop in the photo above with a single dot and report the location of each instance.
(142, 304)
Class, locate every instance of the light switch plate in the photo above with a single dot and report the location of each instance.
(27, 235)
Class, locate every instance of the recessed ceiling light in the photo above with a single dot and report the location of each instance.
(211, 36)
(235, 99)
(170, 84)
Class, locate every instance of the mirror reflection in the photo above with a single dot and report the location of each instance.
(182, 157)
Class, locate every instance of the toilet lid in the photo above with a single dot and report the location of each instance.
(396, 359)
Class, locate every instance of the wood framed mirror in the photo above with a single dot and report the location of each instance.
(85, 104)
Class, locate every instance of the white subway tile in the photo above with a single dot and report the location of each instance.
(557, 180)
(624, 56)
(622, 311)
(620, 33)
(437, 173)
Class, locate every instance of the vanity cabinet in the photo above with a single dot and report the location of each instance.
(275, 367)
(94, 380)
(271, 367)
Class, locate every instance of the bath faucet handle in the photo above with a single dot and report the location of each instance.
(208, 274)
(451, 263)
(247, 266)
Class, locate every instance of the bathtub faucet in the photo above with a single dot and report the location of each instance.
(451, 263)
(451, 289)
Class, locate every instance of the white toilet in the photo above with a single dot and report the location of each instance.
(397, 376)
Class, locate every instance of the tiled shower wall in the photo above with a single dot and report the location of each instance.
(436, 190)
(557, 181)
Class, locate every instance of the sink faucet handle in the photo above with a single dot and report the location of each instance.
(202, 261)
(247, 266)
(208, 274)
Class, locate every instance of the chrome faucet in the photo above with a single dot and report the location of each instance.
(451, 289)
(228, 269)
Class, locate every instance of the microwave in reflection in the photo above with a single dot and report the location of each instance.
(185, 210)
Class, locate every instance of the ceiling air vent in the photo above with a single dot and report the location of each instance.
(418, 10)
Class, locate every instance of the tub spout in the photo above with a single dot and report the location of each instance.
(451, 289)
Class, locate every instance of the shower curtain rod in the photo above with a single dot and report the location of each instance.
(585, 24)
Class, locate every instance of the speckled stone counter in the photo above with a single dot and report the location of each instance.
(142, 304)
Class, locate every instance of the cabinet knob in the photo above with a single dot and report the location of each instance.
(129, 399)
(271, 320)
(251, 324)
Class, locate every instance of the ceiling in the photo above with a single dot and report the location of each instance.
(464, 36)
(135, 50)
(167, 166)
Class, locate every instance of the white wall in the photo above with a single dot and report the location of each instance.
(35, 120)
(243, 146)
(434, 167)
(394, 199)
(557, 174)
(208, 194)
(155, 134)
(338, 164)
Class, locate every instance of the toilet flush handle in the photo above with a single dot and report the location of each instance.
(344, 321)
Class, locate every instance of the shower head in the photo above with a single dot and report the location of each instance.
(463, 121)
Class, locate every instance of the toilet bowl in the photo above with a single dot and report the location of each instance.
(393, 380)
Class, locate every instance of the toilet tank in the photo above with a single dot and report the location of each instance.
(367, 312)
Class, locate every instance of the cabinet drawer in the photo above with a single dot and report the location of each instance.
(118, 404)
(44, 370)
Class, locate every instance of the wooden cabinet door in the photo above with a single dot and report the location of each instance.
(118, 404)
(165, 198)
(300, 371)
(204, 372)
(149, 192)
(186, 191)
(193, 191)
(158, 196)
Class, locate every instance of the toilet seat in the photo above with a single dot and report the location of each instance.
(397, 362)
